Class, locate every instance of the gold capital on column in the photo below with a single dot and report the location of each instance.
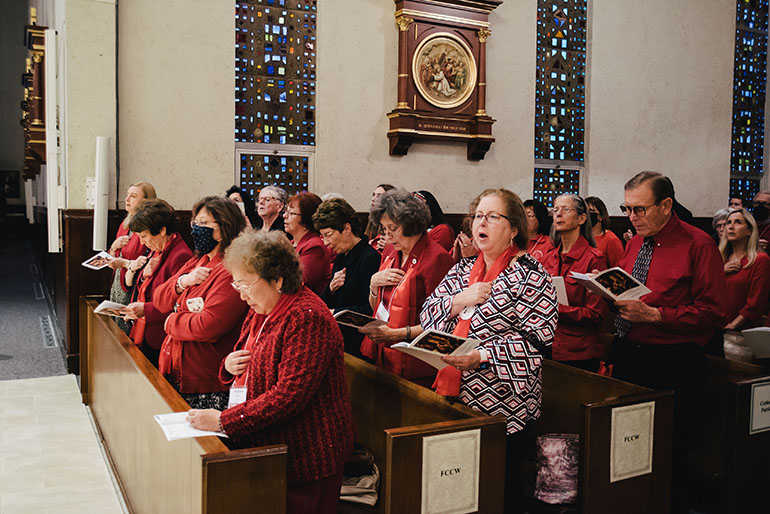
(483, 34)
(403, 23)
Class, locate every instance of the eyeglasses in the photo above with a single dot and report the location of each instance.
(202, 224)
(289, 213)
(243, 288)
(639, 211)
(492, 218)
(265, 199)
(565, 210)
(391, 230)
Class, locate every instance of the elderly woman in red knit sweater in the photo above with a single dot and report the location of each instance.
(287, 374)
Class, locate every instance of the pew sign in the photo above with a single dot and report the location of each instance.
(760, 408)
(450, 472)
(631, 441)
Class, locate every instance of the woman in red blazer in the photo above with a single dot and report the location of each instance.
(155, 224)
(578, 340)
(313, 255)
(207, 312)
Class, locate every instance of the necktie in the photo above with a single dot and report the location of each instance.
(641, 267)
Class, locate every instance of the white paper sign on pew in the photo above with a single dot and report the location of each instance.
(450, 472)
(760, 408)
(631, 440)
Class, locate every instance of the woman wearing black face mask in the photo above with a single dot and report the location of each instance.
(207, 311)
(606, 240)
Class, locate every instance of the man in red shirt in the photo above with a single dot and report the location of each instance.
(660, 338)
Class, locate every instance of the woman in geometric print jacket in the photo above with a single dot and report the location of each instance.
(505, 299)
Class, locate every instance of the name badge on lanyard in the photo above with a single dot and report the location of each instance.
(382, 312)
(237, 396)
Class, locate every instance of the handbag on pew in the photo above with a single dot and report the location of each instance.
(556, 465)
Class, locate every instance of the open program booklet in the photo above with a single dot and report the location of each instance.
(352, 319)
(613, 284)
(431, 345)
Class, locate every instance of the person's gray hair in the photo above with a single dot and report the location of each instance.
(720, 215)
(586, 230)
(268, 254)
(277, 192)
(406, 211)
(331, 196)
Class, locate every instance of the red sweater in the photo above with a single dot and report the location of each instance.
(578, 332)
(296, 391)
(443, 235)
(748, 290)
(133, 249)
(611, 246)
(314, 257)
(687, 281)
(196, 342)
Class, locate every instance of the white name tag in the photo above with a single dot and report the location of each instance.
(195, 304)
(237, 396)
(382, 312)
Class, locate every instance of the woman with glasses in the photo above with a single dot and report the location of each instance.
(206, 312)
(504, 298)
(270, 204)
(579, 340)
(606, 240)
(155, 224)
(287, 374)
(313, 255)
(373, 231)
(412, 265)
(539, 225)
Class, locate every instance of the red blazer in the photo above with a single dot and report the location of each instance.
(196, 342)
(748, 290)
(443, 235)
(296, 391)
(131, 251)
(172, 258)
(314, 257)
(539, 247)
(578, 332)
(611, 246)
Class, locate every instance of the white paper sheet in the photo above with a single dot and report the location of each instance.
(176, 426)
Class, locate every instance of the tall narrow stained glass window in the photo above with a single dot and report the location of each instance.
(559, 97)
(749, 86)
(275, 79)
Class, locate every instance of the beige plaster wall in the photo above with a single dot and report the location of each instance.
(660, 97)
(357, 68)
(176, 93)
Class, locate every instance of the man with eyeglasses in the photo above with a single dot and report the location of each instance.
(659, 339)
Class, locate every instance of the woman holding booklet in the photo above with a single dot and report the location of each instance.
(578, 340)
(287, 373)
(504, 298)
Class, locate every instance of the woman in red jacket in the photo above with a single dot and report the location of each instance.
(313, 255)
(606, 240)
(155, 224)
(539, 225)
(288, 374)
(578, 340)
(207, 312)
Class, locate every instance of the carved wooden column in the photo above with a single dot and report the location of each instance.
(482, 34)
(403, 60)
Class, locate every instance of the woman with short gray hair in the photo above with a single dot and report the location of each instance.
(270, 205)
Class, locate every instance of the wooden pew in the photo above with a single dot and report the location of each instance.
(578, 402)
(393, 416)
(729, 466)
(189, 476)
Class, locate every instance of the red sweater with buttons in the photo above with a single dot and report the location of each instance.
(296, 391)
(578, 331)
(196, 342)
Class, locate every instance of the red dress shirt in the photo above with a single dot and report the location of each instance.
(133, 249)
(296, 391)
(202, 338)
(578, 331)
(539, 247)
(688, 286)
(611, 246)
(748, 290)
(314, 257)
(443, 235)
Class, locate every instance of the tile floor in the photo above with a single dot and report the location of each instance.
(50, 460)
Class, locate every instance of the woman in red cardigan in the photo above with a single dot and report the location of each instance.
(747, 271)
(155, 224)
(578, 340)
(313, 255)
(412, 266)
(288, 374)
(207, 313)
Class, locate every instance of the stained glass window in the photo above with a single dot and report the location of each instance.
(749, 84)
(560, 84)
(275, 55)
(289, 172)
(552, 182)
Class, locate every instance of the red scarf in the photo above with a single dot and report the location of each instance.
(279, 310)
(448, 379)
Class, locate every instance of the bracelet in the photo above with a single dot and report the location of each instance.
(179, 283)
(408, 334)
(372, 293)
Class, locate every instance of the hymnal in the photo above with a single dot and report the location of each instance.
(352, 319)
(98, 261)
(613, 284)
(431, 345)
(108, 308)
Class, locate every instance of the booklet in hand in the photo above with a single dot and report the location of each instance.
(352, 319)
(613, 284)
(431, 345)
(108, 308)
(98, 261)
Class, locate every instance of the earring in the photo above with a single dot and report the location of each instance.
(280, 290)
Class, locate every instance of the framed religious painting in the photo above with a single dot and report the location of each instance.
(442, 75)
